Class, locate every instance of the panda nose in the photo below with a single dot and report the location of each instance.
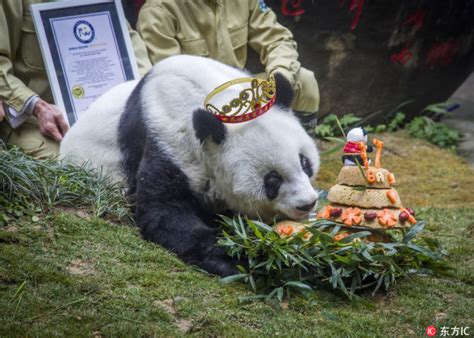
(306, 207)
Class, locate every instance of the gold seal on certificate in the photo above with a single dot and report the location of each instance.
(86, 49)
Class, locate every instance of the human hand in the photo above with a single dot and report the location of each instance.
(51, 121)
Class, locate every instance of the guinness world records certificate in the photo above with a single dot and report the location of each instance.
(86, 49)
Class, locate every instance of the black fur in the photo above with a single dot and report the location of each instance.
(166, 210)
(271, 183)
(284, 92)
(132, 136)
(207, 126)
(168, 213)
(306, 165)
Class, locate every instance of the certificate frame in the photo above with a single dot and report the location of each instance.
(47, 17)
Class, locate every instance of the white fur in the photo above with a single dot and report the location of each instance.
(93, 139)
(235, 169)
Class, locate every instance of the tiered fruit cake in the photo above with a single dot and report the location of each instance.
(364, 197)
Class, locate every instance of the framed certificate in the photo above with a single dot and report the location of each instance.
(86, 49)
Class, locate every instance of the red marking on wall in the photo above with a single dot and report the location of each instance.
(402, 56)
(442, 53)
(354, 5)
(292, 7)
(415, 19)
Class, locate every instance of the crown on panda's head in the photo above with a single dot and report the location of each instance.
(250, 104)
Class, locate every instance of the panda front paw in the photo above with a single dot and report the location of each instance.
(219, 263)
(220, 266)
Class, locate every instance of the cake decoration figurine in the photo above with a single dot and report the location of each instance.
(352, 148)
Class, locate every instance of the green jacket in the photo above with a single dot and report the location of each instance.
(220, 29)
(22, 72)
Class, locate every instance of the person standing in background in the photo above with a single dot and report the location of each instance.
(223, 30)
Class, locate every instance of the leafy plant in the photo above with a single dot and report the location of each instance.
(394, 124)
(436, 111)
(332, 125)
(280, 267)
(435, 132)
(28, 183)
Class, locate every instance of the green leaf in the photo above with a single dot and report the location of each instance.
(252, 283)
(263, 226)
(280, 294)
(233, 278)
(424, 251)
(379, 284)
(334, 149)
(330, 316)
(340, 127)
(336, 139)
(414, 230)
(255, 229)
(299, 285)
(359, 165)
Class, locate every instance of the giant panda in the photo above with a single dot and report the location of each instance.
(182, 165)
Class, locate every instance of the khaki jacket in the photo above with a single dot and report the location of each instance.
(219, 29)
(22, 72)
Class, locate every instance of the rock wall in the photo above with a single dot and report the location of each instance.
(396, 50)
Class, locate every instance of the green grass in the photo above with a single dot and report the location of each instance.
(63, 272)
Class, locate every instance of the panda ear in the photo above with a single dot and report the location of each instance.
(284, 92)
(207, 126)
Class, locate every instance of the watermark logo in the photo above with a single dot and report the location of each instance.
(84, 31)
(446, 331)
(430, 331)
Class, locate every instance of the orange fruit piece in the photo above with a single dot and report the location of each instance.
(351, 216)
(325, 212)
(387, 218)
(392, 196)
(391, 178)
(340, 235)
(285, 230)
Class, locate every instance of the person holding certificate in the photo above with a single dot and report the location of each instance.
(31, 121)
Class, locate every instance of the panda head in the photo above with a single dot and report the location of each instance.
(264, 167)
(357, 135)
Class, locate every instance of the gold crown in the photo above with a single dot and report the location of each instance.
(251, 102)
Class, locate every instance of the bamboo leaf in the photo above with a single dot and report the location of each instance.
(415, 230)
(299, 285)
(233, 278)
(340, 127)
(255, 229)
(332, 150)
(336, 139)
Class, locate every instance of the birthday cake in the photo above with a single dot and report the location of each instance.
(364, 196)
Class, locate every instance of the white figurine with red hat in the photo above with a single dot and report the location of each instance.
(352, 148)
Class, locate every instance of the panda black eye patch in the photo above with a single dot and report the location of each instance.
(306, 165)
(272, 182)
